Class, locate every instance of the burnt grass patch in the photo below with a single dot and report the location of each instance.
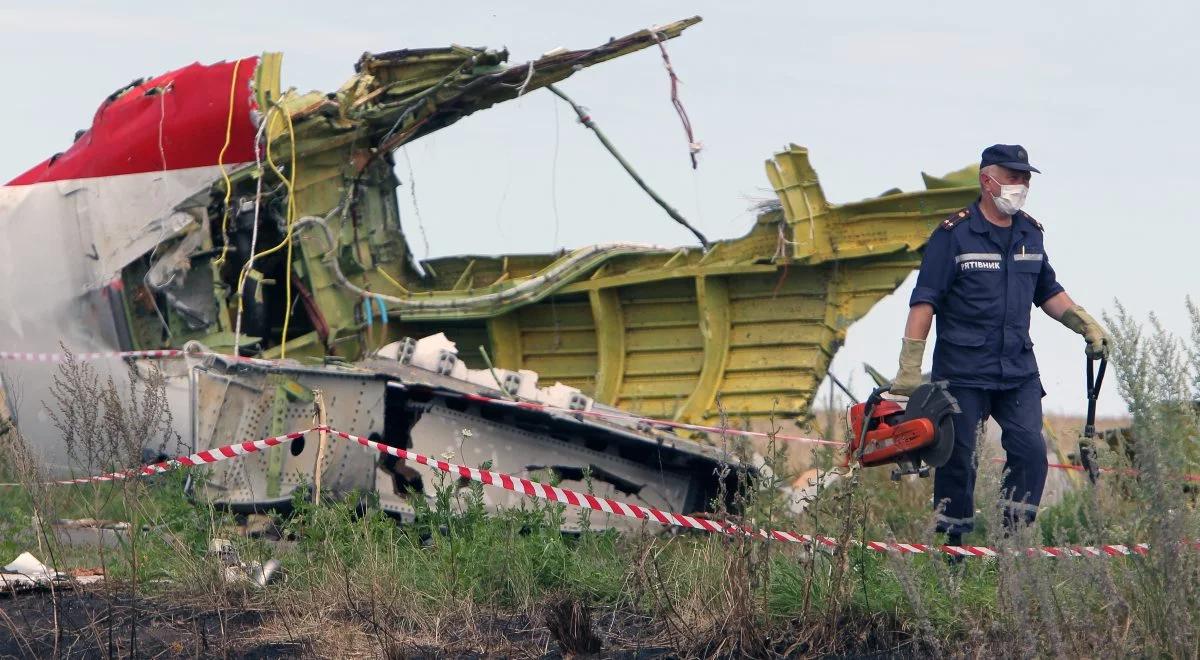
(90, 624)
(459, 582)
(93, 623)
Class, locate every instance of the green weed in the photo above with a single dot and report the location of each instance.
(460, 580)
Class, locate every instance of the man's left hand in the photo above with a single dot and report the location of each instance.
(1098, 341)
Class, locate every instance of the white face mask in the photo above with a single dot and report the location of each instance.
(1012, 197)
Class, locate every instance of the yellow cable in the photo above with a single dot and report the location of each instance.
(245, 268)
(287, 184)
(249, 262)
(291, 216)
(224, 174)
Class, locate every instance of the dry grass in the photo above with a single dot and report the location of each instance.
(458, 582)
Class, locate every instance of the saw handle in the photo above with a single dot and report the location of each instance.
(1087, 452)
(877, 394)
(873, 400)
(1095, 377)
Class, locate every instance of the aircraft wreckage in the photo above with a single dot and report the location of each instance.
(208, 207)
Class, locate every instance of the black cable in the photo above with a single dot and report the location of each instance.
(586, 120)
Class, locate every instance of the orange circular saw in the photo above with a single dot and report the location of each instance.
(915, 436)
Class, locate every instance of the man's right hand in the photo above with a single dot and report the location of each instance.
(909, 378)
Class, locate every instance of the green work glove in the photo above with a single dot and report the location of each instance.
(909, 377)
(1098, 341)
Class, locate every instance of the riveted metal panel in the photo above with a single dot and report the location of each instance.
(245, 413)
(468, 439)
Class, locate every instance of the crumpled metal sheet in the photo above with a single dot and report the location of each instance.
(399, 96)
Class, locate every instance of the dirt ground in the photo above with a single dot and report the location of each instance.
(94, 624)
(89, 624)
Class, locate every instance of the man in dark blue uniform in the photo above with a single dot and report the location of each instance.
(983, 269)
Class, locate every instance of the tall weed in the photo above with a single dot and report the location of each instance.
(459, 580)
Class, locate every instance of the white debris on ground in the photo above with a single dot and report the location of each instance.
(239, 571)
(91, 523)
(27, 572)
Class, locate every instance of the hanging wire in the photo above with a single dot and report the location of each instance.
(694, 146)
(586, 119)
(289, 183)
(225, 173)
(258, 169)
(412, 190)
(554, 179)
(291, 217)
(162, 120)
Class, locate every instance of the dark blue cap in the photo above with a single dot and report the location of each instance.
(1012, 156)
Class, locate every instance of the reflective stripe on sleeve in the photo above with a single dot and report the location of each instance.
(1028, 256)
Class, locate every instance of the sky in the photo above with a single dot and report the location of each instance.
(1101, 94)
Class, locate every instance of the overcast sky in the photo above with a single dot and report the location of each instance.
(1102, 94)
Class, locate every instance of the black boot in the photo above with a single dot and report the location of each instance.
(956, 540)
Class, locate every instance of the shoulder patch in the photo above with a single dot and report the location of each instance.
(957, 217)
(1037, 224)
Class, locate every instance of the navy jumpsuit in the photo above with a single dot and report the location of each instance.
(982, 287)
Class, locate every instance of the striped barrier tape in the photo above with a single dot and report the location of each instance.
(1125, 472)
(205, 457)
(532, 405)
(531, 488)
(56, 358)
(160, 354)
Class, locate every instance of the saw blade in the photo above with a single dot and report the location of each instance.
(934, 402)
(937, 453)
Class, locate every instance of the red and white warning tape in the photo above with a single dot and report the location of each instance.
(161, 354)
(532, 488)
(1125, 472)
(87, 357)
(528, 405)
(531, 405)
(570, 497)
(191, 460)
(175, 353)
